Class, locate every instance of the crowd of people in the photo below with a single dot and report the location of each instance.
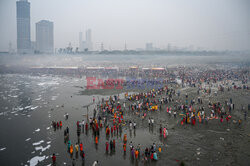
(110, 114)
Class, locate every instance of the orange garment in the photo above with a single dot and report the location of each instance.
(96, 140)
(125, 138)
(136, 154)
(71, 149)
(124, 147)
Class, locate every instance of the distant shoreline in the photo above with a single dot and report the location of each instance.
(147, 53)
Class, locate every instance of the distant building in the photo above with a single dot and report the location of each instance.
(89, 44)
(23, 26)
(86, 45)
(149, 46)
(45, 36)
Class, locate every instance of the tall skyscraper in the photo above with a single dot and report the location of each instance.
(23, 26)
(89, 44)
(44, 36)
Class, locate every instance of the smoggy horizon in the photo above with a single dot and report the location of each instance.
(208, 24)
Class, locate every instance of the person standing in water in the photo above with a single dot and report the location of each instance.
(54, 159)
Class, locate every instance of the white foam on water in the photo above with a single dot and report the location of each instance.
(41, 84)
(48, 83)
(38, 99)
(42, 148)
(48, 142)
(37, 130)
(15, 96)
(38, 148)
(32, 108)
(34, 161)
(27, 107)
(20, 108)
(2, 149)
(48, 128)
(38, 143)
(27, 139)
(29, 116)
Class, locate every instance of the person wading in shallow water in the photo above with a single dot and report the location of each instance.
(54, 159)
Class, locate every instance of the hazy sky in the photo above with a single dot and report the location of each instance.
(210, 24)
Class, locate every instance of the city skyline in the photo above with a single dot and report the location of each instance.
(210, 25)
